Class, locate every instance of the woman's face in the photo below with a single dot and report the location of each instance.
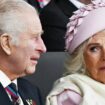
(94, 57)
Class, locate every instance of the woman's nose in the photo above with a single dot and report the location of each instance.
(103, 54)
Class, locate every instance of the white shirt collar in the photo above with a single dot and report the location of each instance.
(77, 3)
(5, 81)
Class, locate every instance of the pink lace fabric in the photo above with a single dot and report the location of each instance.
(69, 97)
(77, 19)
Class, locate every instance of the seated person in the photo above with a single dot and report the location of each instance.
(84, 83)
(21, 46)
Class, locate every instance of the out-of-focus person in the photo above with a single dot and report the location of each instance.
(54, 18)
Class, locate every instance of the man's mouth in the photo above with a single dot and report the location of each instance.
(34, 60)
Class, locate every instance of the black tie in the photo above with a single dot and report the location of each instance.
(11, 89)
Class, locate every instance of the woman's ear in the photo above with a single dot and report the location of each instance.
(5, 43)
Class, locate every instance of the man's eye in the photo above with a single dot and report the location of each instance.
(94, 49)
(35, 38)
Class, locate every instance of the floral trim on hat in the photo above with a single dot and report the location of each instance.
(77, 19)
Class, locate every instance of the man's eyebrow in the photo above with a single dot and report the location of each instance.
(37, 33)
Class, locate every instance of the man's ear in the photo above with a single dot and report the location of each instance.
(5, 43)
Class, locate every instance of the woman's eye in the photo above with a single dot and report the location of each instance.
(94, 49)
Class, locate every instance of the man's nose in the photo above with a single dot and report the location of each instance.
(42, 46)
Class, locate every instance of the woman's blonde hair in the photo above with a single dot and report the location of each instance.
(75, 62)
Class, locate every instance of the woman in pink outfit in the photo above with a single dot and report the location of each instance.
(84, 82)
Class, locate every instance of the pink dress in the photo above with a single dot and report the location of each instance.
(69, 97)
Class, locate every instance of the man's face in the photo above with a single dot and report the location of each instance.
(94, 56)
(25, 55)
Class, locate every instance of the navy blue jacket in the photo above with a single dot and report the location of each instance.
(26, 91)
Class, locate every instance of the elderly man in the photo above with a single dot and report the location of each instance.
(20, 48)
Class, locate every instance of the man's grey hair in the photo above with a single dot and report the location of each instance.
(10, 21)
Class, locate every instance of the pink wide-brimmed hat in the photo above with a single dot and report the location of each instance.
(85, 22)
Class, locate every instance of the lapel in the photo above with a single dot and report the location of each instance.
(23, 99)
(66, 6)
(4, 98)
(63, 9)
(29, 93)
(51, 10)
(23, 91)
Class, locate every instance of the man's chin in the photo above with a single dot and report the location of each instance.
(30, 71)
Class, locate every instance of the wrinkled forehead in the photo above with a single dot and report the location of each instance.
(33, 23)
